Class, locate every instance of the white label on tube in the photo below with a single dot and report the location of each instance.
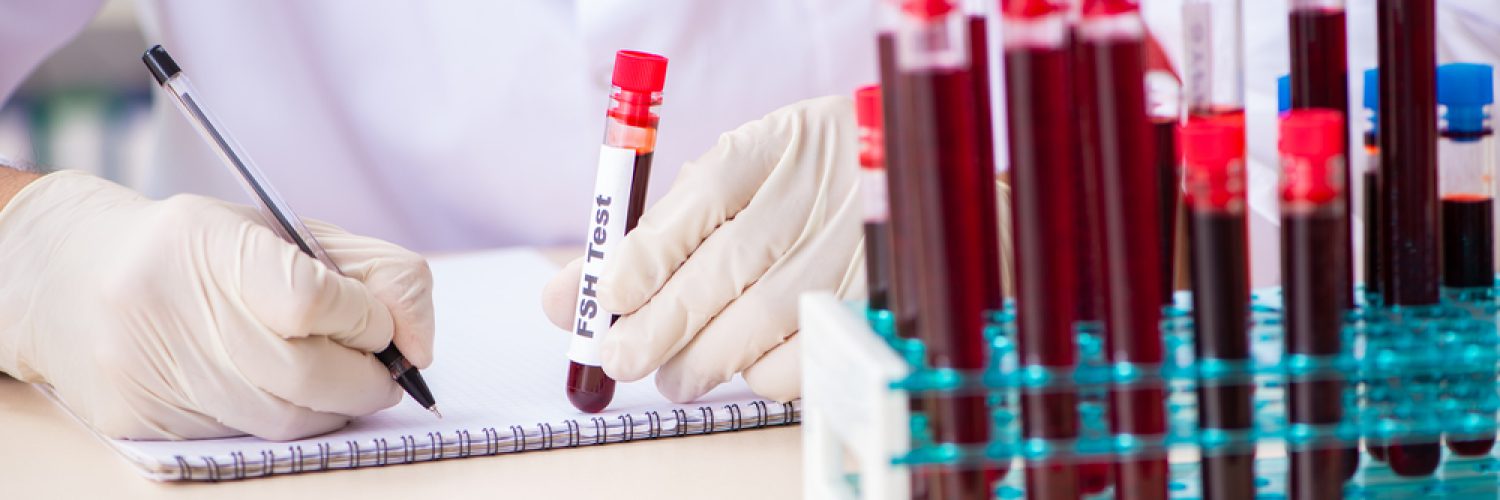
(606, 228)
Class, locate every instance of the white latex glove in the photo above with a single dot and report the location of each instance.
(708, 281)
(189, 318)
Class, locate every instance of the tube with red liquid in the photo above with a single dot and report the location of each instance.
(1040, 129)
(1466, 180)
(1214, 187)
(1375, 267)
(1320, 78)
(1312, 211)
(903, 195)
(936, 114)
(1112, 44)
(984, 131)
(619, 198)
(1408, 177)
(1466, 175)
(1163, 96)
(879, 266)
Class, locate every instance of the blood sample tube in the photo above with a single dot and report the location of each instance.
(1214, 185)
(903, 193)
(1095, 473)
(872, 186)
(619, 198)
(1466, 176)
(1312, 210)
(1163, 106)
(936, 115)
(1370, 205)
(1112, 45)
(1320, 77)
(1408, 174)
(977, 12)
(1043, 166)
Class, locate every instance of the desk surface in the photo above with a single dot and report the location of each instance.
(45, 454)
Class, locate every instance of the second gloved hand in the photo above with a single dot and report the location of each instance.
(189, 318)
(708, 282)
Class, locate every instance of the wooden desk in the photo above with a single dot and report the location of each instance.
(45, 454)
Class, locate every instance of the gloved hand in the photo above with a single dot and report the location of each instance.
(189, 318)
(708, 281)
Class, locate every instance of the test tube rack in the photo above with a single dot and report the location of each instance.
(1412, 375)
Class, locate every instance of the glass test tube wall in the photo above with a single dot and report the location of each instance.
(1120, 153)
(959, 266)
(1312, 209)
(879, 266)
(1370, 205)
(1320, 78)
(619, 199)
(1466, 175)
(1214, 190)
(1044, 199)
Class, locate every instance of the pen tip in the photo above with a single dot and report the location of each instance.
(435, 411)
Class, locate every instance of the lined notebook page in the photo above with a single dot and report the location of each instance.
(498, 376)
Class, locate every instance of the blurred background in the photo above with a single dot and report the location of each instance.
(87, 106)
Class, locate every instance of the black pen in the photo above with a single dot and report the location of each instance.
(276, 211)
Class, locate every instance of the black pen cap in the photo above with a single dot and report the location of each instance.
(160, 63)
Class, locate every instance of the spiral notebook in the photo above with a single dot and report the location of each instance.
(499, 376)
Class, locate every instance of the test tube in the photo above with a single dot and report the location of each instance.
(1214, 190)
(903, 194)
(1320, 80)
(1163, 96)
(1118, 134)
(1312, 211)
(1370, 206)
(1408, 174)
(1466, 175)
(1096, 474)
(936, 115)
(977, 12)
(619, 198)
(876, 205)
(1374, 254)
(1044, 200)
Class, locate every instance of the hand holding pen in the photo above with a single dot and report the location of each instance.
(277, 213)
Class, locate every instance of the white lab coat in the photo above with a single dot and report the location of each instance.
(463, 124)
(459, 124)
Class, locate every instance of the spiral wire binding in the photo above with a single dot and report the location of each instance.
(351, 454)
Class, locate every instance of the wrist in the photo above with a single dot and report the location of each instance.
(11, 182)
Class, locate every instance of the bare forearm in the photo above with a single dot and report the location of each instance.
(11, 182)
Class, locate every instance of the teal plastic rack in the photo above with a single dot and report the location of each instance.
(1411, 375)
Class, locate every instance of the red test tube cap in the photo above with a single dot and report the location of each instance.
(927, 9)
(1311, 141)
(639, 71)
(1030, 8)
(868, 116)
(1312, 133)
(867, 108)
(1109, 7)
(1208, 145)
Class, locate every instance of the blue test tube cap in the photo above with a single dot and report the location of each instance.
(1284, 93)
(1464, 89)
(1372, 97)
